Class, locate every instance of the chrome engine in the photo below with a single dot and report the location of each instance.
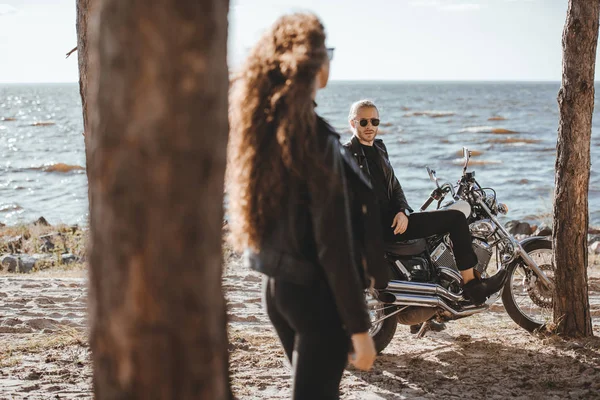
(442, 255)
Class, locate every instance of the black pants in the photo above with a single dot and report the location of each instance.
(424, 224)
(310, 329)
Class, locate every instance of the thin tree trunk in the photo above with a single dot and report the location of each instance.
(158, 112)
(576, 104)
(84, 12)
(84, 8)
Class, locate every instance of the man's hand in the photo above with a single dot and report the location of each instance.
(400, 223)
(364, 351)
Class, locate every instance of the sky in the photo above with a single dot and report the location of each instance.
(374, 39)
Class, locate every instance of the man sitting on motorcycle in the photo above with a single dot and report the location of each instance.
(398, 220)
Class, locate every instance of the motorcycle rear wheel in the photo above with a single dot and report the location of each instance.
(383, 331)
(525, 299)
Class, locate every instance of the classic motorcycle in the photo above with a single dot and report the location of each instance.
(427, 285)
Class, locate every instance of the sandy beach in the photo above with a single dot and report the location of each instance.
(44, 352)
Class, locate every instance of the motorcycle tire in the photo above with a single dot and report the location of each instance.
(508, 296)
(384, 335)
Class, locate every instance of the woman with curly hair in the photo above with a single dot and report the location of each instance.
(289, 207)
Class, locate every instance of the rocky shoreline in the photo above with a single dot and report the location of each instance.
(521, 230)
(39, 246)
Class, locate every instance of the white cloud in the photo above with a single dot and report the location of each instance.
(461, 7)
(6, 9)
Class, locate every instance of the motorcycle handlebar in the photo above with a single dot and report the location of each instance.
(427, 203)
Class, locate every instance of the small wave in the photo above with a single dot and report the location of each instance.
(477, 129)
(60, 167)
(43, 123)
(8, 119)
(487, 129)
(496, 118)
(474, 153)
(387, 124)
(460, 161)
(513, 141)
(431, 114)
(10, 207)
(503, 131)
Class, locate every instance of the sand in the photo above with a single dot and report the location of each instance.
(44, 353)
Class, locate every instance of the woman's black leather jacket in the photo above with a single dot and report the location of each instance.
(319, 237)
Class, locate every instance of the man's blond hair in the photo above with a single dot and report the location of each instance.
(358, 105)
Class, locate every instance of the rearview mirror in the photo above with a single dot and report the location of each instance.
(431, 173)
(467, 157)
(432, 176)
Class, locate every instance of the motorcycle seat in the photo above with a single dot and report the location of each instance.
(406, 248)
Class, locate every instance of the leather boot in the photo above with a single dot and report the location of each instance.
(478, 289)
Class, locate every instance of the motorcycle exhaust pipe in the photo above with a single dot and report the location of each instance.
(397, 287)
(415, 300)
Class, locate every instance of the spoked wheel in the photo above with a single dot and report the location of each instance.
(525, 298)
(382, 329)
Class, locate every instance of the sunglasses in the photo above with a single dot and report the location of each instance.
(330, 53)
(364, 122)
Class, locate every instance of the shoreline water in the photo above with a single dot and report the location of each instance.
(510, 125)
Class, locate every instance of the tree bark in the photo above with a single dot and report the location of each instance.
(85, 9)
(571, 217)
(158, 112)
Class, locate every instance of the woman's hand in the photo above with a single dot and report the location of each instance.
(364, 351)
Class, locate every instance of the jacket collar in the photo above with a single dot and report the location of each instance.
(356, 147)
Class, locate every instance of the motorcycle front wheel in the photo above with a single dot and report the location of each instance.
(525, 298)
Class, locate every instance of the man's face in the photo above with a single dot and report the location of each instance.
(366, 134)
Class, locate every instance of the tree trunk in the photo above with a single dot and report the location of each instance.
(576, 104)
(84, 11)
(158, 112)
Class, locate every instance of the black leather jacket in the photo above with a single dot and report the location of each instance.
(395, 192)
(316, 239)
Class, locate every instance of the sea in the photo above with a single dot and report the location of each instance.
(510, 127)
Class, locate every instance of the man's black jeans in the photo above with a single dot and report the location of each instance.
(311, 332)
(424, 224)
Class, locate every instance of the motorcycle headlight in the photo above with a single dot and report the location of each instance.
(482, 228)
(502, 208)
(490, 200)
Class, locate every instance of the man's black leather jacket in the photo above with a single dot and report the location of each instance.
(318, 237)
(395, 192)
